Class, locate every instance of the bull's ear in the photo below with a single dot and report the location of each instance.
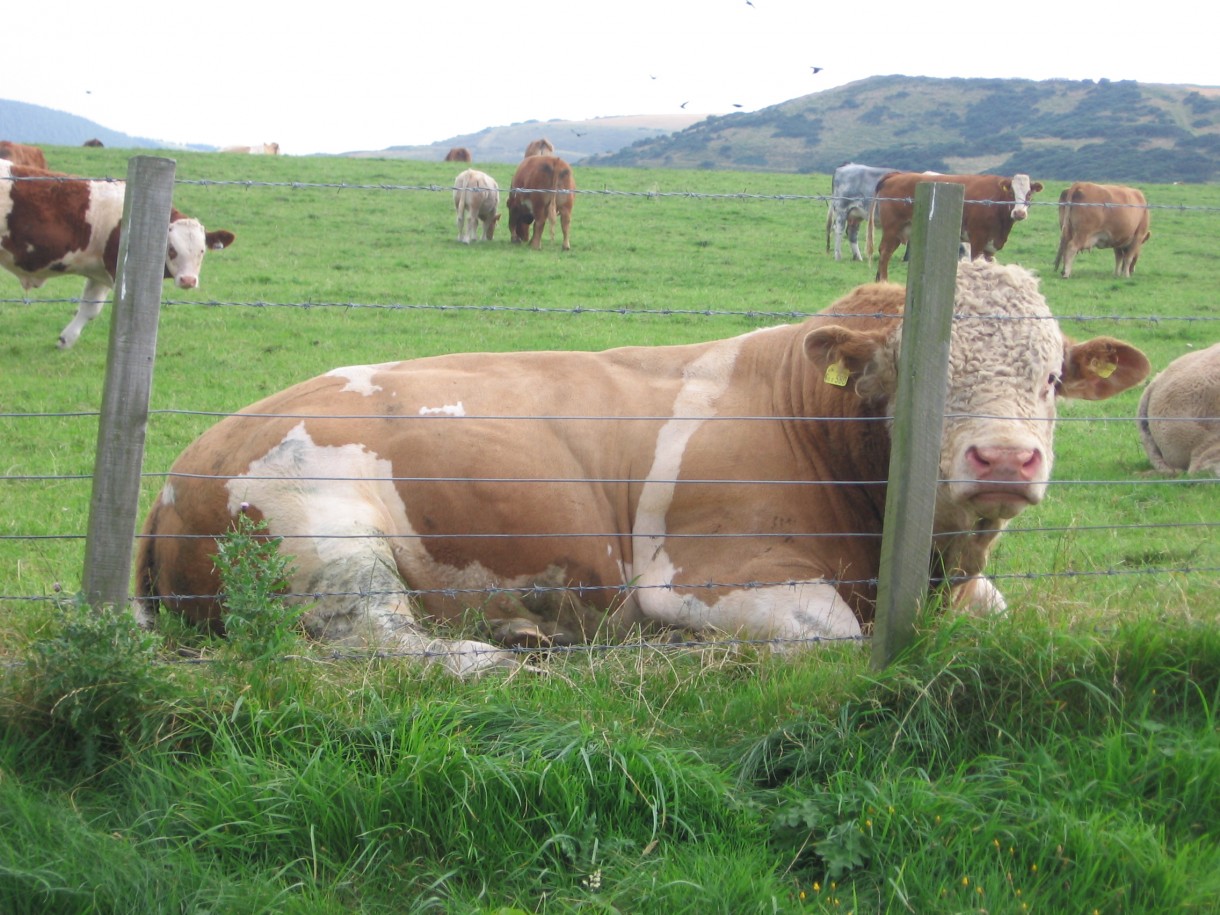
(221, 238)
(835, 345)
(1035, 186)
(1005, 186)
(1100, 368)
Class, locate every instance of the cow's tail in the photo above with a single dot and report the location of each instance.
(1151, 448)
(830, 215)
(872, 209)
(147, 601)
(552, 208)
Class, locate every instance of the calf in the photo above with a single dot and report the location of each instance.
(458, 154)
(992, 204)
(543, 187)
(566, 496)
(53, 224)
(1102, 216)
(476, 197)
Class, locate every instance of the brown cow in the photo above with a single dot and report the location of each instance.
(21, 154)
(1102, 216)
(95, 143)
(540, 147)
(543, 188)
(458, 154)
(59, 225)
(985, 224)
(573, 495)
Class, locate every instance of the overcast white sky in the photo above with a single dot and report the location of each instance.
(363, 75)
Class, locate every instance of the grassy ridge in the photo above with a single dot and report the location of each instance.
(1063, 759)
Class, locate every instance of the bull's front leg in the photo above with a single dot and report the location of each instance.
(92, 300)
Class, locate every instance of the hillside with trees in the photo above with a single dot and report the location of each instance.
(1056, 129)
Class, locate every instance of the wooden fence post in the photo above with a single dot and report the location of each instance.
(129, 368)
(923, 369)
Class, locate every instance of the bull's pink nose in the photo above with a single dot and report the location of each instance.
(1005, 464)
(188, 282)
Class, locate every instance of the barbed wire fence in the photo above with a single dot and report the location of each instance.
(1206, 528)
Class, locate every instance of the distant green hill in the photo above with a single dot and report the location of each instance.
(1053, 129)
(22, 122)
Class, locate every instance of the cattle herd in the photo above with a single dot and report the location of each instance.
(375, 510)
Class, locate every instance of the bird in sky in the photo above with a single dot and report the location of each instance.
(738, 105)
(816, 69)
(684, 104)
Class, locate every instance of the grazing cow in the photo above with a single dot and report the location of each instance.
(262, 149)
(543, 188)
(985, 223)
(540, 147)
(1102, 216)
(476, 197)
(458, 154)
(1179, 414)
(95, 143)
(21, 154)
(570, 495)
(851, 197)
(53, 224)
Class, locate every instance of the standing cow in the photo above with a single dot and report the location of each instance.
(476, 197)
(22, 154)
(259, 149)
(851, 197)
(543, 187)
(992, 204)
(458, 154)
(588, 494)
(1102, 216)
(57, 224)
(1179, 414)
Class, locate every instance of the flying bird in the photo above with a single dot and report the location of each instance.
(684, 104)
(816, 69)
(737, 105)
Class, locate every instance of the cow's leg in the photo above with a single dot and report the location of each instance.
(92, 300)
(540, 220)
(794, 613)
(1069, 255)
(362, 602)
(461, 223)
(565, 221)
(889, 244)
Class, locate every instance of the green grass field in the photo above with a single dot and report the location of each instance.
(1065, 758)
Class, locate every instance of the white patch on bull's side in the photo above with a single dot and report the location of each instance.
(167, 494)
(447, 410)
(359, 378)
(347, 531)
(704, 381)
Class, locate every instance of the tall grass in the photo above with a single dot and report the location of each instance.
(1065, 758)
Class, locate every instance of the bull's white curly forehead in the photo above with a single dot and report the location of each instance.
(1005, 343)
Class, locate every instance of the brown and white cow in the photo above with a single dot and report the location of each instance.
(22, 154)
(458, 154)
(540, 147)
(259, 149)
(476, 197)
(543, 188)
(992, 204)
(55, 225)
(567, 495)
(1102, 216)
(1179, 414)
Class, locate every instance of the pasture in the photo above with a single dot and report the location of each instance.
(1065, 758)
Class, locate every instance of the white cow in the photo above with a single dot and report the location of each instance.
(851, 197)
(1179, 414)
(476, 197)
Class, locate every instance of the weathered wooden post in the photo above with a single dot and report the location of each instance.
(923, 369)
(128, 384)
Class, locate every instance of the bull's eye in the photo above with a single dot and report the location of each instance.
(173, 253)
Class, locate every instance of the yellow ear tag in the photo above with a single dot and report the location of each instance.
(1104, 369)
(837, 375)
